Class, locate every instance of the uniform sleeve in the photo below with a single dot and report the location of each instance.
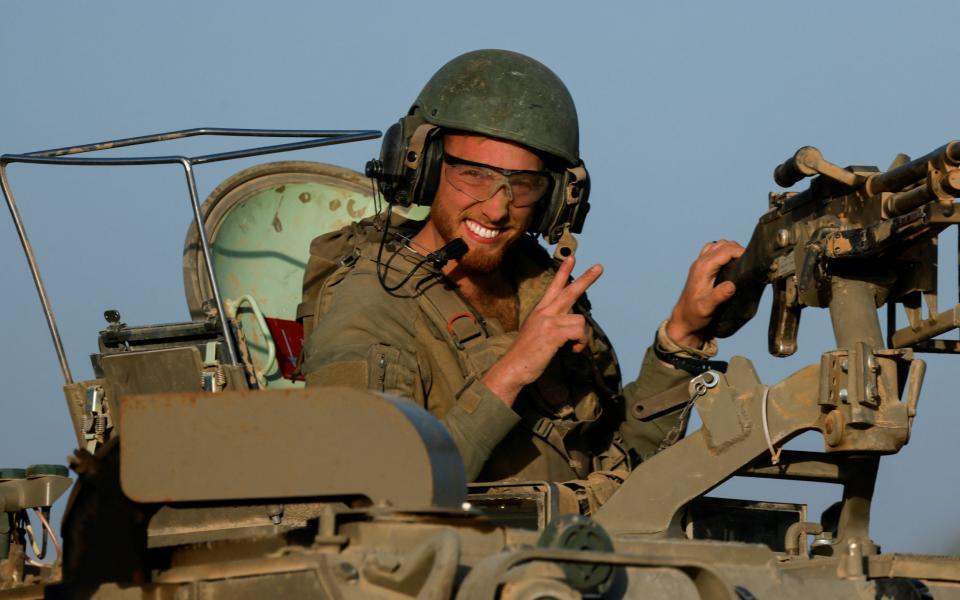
(478, 422)
(367, 341)
(645, 437)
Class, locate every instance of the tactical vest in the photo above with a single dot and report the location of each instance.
(468, 334)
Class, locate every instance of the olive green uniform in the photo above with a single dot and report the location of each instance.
(426, 343)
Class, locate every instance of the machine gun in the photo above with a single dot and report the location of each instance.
(854, 233)
(856, 239)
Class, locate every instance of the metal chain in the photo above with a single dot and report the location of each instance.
(698, 387)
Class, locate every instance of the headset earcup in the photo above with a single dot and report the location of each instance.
(430, 167)
(583, 203)
(547, 210)
(560, 210)
(392, 149)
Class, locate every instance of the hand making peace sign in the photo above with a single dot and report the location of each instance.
(550, 325)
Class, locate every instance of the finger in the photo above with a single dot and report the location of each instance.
(581, 342)
(722, 293)
(574, 335)
(718, 256)
(559, 280)
(569, 295)
(715, 245)
(570, 322)
(729, 246)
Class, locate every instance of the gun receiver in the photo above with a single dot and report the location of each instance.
(855, 223)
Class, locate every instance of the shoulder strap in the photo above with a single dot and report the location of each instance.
(451, 312)
(335, 250)
(327, 254)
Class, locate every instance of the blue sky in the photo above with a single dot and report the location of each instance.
(685, 109)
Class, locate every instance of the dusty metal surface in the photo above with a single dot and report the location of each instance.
(699, 462)
(286, 444)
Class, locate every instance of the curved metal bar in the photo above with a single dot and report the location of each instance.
(63, 159)
(205, 246)
(196, 131)
(355, 137)
(35, 272)
(63, 156)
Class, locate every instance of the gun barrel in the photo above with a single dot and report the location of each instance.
(897, 179)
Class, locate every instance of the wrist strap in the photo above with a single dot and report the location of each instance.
(694, 366)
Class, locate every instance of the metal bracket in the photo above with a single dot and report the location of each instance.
(860, 390)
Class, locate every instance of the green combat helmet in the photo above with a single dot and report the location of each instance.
(504, 95)
(500, 94)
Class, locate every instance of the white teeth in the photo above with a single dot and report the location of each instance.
(482, 231)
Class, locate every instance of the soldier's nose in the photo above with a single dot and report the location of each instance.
(497, 207)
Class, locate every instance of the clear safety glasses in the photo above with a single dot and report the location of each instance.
(481, 182)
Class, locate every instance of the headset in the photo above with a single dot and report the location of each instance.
(408, 172)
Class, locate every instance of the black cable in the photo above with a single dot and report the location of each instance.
(403, 282)
(381, 275)
(381, 267)
(451, 251)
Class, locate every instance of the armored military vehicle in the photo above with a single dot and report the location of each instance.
(205, 469)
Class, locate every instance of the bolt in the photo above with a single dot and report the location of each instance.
(833, 428)
(275, 512)
(845, 365)
(386, 560)
(346, 572)
(952, 180)
(783, 238)
(843, 395)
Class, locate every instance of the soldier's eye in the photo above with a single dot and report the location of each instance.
(528, 184)
(475, 174)
(523, 184)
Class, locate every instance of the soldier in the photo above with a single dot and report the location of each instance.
(495, 342)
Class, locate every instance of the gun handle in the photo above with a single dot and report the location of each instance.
(802, 164)
(749, 274)
(784, 319)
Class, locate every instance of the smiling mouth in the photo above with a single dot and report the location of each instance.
(484, 233)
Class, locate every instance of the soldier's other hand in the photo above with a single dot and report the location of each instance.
(700, 297)
(550, 325)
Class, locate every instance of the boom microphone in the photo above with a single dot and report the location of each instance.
(451, 251)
